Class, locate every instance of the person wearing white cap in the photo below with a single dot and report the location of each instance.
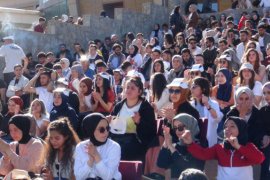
(196, 71)
(13, 55)
(247, 78)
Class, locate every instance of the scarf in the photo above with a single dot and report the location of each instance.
(224, 90)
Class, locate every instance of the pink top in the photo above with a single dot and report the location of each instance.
(29, 158)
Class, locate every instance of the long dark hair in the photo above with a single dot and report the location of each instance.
(251, 82)
(158, 85)
(106, 87)
(169, 38)
(63, 127)
(162, 66)
(257, 62)
(205, 86)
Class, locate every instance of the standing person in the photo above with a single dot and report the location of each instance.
(79, 51)
(24, 152)
(193, 17)
(64, 53)
(135, 58)
(157, 32)
(59, 153)
(133, 123)
(13, 55)
(97, 157)
(176, 21)
(230, 154)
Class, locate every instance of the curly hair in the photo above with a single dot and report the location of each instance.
(63, 127)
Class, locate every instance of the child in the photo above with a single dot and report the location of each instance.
(61, 143)
(235, 156)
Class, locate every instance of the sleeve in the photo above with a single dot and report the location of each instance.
(139, 60)
(203, 153)
(111, 96)
(2, 51)
(164, 158)
(31, 160)
(5, 166)
(252, 154)
(10, 92)
(22, 55)
(106, 168)
(257, 90)
(164, 99)
(73, 118)
(81, 169)
(215, 106)
(38, 90)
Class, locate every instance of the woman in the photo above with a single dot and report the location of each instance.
(66, 71)
(168, 43)
(38, 111)
(24, 152)
(158, 67)
(103, 96)
(253, 57)
(118, 78)
(222, 21)
(208, 108)
(247, 78)
(264, 116)
(62, 109)
(129, 38)
(77, 74)
(180, 43)
(157, 33)
(60, 145)
(245, 109)
(176, 21)
(15, 105)
(85, 94)
(175, 156)
(230, 154)
(97, 157)
(154, 42)
(159, 93)
(133, 123)
(135, 58)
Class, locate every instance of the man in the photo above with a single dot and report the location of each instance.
(85, 65)
(187, 60)
(93, 56)
(102, 68)
(116, 58)
(16, 86)
(40, 27)
(46, 87)
(167, 59)
(210, 53)
(192, 46)
(42, 59)
(64, 53)
(240, 48)
(13, 55)
(78, 51)
(264, 37)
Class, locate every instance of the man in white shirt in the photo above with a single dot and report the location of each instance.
(45, 90)
(13, 55)
(192, 46)
(240, 48)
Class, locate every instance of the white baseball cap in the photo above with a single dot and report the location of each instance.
(246, 66)
(226, 56)
(197, 67)
(178, 82)
(9, 37)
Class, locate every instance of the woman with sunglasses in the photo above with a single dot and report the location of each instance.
(132, 122)
(60, 144)
(97, 157)
(175, 156)
(247, 79)
(207, 107)
(235, 155)
(180, 43)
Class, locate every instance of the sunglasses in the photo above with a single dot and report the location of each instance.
(195, 73)
(179, 128)
(174, 91)
(103, 129)
(222, 62)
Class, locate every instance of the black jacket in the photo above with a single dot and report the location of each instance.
(147, 128)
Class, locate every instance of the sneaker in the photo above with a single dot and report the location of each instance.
(153, 176)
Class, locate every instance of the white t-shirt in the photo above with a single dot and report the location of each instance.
(123, 123)
(13, 55)
(257, 89)
(46, 97)
(87, 101)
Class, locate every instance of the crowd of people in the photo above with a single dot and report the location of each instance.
(192, 92)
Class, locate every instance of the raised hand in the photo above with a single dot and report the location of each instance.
(233, 141)
(186, 137)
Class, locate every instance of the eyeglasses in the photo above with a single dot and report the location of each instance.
(222, 62)
(196, 73)
(174, 91)
(180, 128)
(103, 129)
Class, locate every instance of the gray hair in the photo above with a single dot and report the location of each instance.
(192, 174)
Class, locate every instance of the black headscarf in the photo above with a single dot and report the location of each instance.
(64, 105)
(224, 90)
(242, 129)
(136, 49)
(23, 123)
(89, 125)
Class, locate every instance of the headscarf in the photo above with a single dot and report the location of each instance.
(242, 129)
(88, 82)
(89, 125)
(79, 69)
(241, 90)
(23, 123)
(136, 49)
(224, 90)
(190, 124)
(66, 61)
(64, 105)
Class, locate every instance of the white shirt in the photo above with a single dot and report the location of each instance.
(137, 60)
(240, 50)
(12, 87)
(46, 97)
(196, 51)
(13, 55)
(257, 89)
(106, 169)
(265, 3)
